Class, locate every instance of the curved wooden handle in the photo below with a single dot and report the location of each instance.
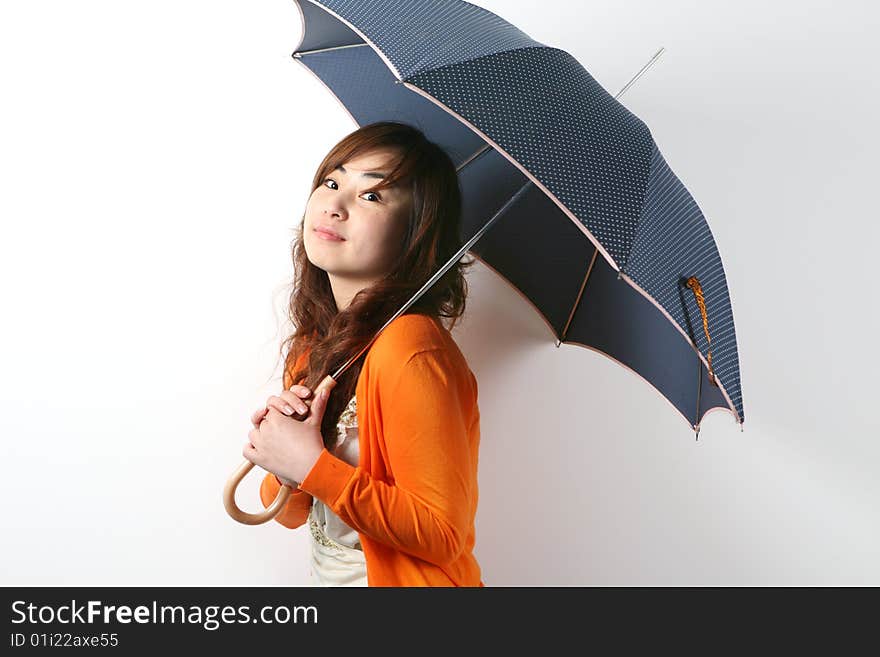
(281, 499)
(251, 518)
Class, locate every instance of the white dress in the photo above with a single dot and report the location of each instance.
(337, 558)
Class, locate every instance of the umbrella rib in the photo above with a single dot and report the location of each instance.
(578, 300)
(299, 53)
(485, 147)
(437, 275)
(699, 392)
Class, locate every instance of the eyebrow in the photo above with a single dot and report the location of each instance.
(367, 174)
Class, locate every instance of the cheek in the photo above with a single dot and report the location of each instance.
(310, 209)
(390, 241)
(313, 204)
(397, 235)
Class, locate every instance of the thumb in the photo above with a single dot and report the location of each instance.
(319, 405)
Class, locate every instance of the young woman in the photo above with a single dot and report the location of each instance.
(384, 470)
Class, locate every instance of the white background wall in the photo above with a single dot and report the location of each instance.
(154, 160)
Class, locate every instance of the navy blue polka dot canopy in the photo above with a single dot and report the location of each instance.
(602, 238)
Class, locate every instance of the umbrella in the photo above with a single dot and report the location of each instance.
(588, 221)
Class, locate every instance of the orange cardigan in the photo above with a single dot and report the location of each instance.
(413, 496)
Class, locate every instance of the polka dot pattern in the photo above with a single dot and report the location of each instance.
(545, 110)
(417, 36)
(674, 242)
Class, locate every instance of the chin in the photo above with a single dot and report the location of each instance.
(315, 262)
(320, 263)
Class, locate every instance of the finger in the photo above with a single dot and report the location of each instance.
(258, 416)
(318, 406)
(301, 391)
(272, 416)
(290, 404)
(250, 453)
(293, 400)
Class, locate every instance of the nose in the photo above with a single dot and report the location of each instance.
(335, 211)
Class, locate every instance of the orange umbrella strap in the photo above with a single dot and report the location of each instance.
(694, 285)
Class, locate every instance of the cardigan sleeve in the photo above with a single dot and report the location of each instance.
(295, 512)
(426, 510)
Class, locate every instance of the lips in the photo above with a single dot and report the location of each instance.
(329, 232)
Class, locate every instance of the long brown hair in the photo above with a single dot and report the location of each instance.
(332, 336)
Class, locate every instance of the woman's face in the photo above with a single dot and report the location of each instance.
(372, 225)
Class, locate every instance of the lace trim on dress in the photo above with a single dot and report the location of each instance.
(347, 420)
(322, 538)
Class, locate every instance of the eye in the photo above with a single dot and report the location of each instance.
(326, 180)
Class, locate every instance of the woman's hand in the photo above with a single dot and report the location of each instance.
(289, 399)
(290, 404)
(286, 446)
